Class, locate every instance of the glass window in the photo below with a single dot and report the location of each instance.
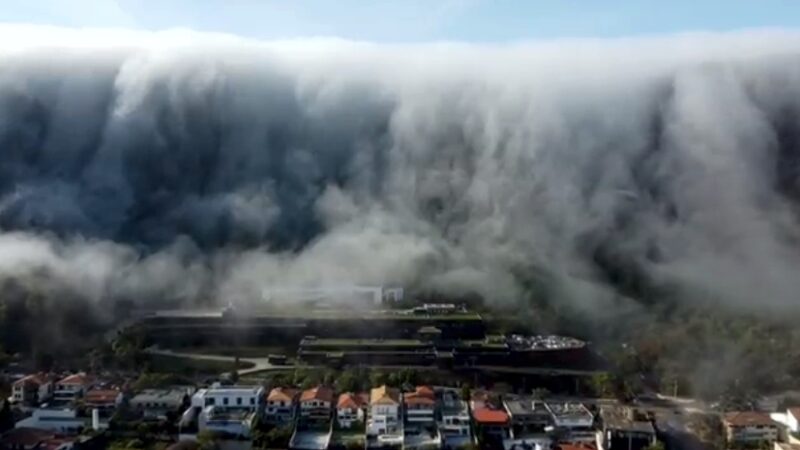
(238, 400)
(225, 401)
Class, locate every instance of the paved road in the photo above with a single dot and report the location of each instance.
(259, 364)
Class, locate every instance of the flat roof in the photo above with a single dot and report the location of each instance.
(624, 418)
(569, 411)
(524, 406)
(159, 395)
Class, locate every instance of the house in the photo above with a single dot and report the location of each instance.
(625, 428)
(25, 438)
(384, 408)
(384, 426)
(32, 389)
(748, 427)
(573, 422)
(71, 387)
(350, 409)
(492, 424)
(102, 399)
(159, 403)
(64, 421)
(454, 425)
(420, 405)
(528, 416)
(316, 403)
(231, 410)
(280, 405)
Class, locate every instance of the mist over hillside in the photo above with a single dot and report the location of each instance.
(197, 167)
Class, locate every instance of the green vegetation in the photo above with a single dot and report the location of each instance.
(188, 366)
(362, 343)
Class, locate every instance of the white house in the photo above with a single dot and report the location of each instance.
(350, 409)
(455, 423)
(748, 427)
(574, 420)
(384, 408)
(71, 387)
(316, 404)
(420, 405)
(157, 403)
(32, 389)
(59, 420)
(231, 410)
(280, 406)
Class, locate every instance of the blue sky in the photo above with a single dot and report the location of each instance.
(413, 20)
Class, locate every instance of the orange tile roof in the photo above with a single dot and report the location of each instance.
(281, 394)
(351, 400)
(747, 418)
(101, 396)
(76, 379)
(318, 393)
(487, 416)
(425, 391)
(384, 395)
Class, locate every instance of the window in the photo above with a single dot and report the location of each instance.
(252, 401)
(239, 401)
(225, 401)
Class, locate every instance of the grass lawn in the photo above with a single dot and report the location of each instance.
(188, 366)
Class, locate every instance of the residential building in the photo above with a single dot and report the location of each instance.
(384, 411)
(454, 425)
(32, 389)
(420, 430)
(158, 403)
(573, 422)
(420, 405)
(625, 428)
(281, 405)
(316, 404)
(71, 387)
(231, 410)
(492, 424)
(384, 425)
(102, 399)
(350, 409)
(56, 420)
(529, 420)
(748, 427)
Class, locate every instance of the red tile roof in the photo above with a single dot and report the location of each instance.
(415, 398)
(281, 394)
(747, 418)
(351, 400)
(37, 379)
(425, 391)
(101, 396)
(577, 446)
(486, 416)
(795, 411)
(318, 393)
(80, 379)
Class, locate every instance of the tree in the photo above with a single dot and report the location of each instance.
(466, 392)
(657, 445)
(207, 440)
(347, 381)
